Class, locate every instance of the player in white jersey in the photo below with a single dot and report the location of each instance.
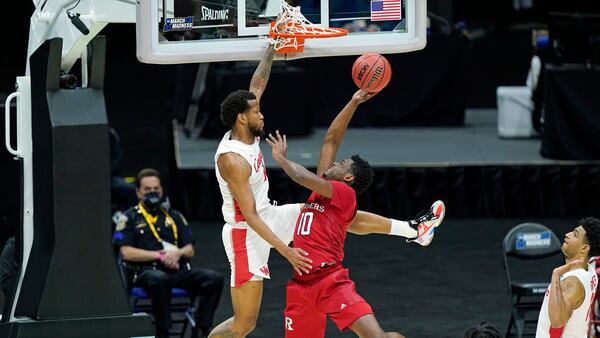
(566, 308)
(246, 250)
(253, 226)
(244, 185)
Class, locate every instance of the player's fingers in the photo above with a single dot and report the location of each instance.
(298, 271)
(302, 252)
(575, 262)
(285, 141)
(305, 270)
(306, 261)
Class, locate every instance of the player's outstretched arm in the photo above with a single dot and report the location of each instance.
(236, 171)
(295, 171)
(260, 78)
(335, 134)
(565, 296)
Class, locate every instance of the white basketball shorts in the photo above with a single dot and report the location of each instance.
(247, 252)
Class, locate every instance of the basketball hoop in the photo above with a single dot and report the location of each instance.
(291, 28)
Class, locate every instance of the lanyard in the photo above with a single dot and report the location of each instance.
(151, 220)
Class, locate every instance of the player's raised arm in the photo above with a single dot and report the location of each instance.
(236, 171)
(260, 78)
(335, 134)
(295, 171)
(565, 296)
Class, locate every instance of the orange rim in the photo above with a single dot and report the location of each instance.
(307, 32)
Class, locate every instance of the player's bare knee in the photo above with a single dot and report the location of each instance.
(244, 325)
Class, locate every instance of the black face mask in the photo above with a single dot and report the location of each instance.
(152, 200)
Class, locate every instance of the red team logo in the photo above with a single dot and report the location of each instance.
(264, 269)
(260, 163)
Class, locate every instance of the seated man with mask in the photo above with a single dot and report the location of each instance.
(156, 245)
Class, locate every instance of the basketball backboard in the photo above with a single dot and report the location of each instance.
(190, 31)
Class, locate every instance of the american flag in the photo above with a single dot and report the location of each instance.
(386, 10)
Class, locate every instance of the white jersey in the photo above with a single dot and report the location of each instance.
(259, 183)
(577, 325)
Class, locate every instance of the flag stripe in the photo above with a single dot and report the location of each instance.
(382, 10)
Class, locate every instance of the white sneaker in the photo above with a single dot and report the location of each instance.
(426, 222)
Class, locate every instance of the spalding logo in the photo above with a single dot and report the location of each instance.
(362, 71)
(375, 76)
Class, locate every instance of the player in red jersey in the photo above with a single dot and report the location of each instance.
(329, 212)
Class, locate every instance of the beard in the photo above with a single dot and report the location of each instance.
(257, 131)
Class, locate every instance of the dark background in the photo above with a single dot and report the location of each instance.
(469, 287)
(492, 48)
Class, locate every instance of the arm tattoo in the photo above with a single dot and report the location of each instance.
(261, 75)
(557, 296)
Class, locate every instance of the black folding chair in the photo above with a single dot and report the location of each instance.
(525, 247)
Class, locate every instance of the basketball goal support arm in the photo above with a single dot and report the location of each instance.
(50, 19)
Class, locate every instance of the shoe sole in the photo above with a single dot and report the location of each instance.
(440, 217)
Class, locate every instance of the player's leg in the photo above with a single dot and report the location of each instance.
(246, 301)
(301, 318)
(246, 288)
(368, 327)
(420, 230)
(283, 220)
(339, 299)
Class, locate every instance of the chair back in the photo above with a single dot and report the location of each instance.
(528, 242)
(531, 241)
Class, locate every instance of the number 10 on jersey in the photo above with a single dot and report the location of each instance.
(304, 225)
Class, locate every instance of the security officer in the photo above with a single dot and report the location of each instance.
(156, 244)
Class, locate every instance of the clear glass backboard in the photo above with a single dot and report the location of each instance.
(189, 31)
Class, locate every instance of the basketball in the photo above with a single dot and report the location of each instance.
(371, 72)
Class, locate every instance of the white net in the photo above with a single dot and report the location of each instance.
(284, 45)
(288, 32)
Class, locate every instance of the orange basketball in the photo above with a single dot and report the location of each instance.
(371, 72)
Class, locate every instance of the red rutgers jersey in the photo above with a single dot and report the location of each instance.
(321, 226)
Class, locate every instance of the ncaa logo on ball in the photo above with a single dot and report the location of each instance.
(364, 68)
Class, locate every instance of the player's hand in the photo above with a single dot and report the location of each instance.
(361, 96)
(299, 260)
(278, 146)
(567, 267)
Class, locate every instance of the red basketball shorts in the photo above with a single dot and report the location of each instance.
(309, 303)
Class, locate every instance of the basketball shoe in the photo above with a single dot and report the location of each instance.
(426, 222)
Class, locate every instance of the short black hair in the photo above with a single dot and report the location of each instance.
(363, 174)
(591, 225)
(234, 104)
(146, 172)
(484, 330)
